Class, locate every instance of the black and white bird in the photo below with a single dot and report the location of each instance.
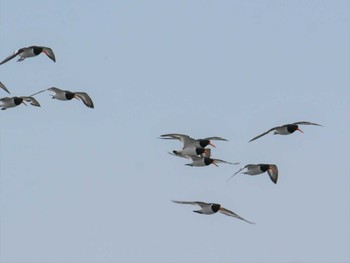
(68, 95)
(212, 208)
(2, 86)
(255, 169)
(187, 141)
(198, 161)
(31, 51)
(286, 129)
(15, 101)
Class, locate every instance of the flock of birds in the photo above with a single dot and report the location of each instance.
(193, 149)
(33, 51)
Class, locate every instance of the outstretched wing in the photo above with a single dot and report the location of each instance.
(222, 161)
(306, 123)
(240, 170)
(273, 173)
(85, 98)
(53, 89)
(31, 100)
(201, 204)
(39, 92)
(48, 52)
(4, 88)
(11, 56)
(215, 138)
(230, 213)
(186, 140)
(257, 137)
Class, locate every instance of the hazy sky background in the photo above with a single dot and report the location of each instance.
(95, 185)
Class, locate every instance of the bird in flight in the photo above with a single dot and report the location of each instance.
(31, 51)
(187, 141)
(286, 129)
(15, 101)
(255, 169)
(212, 208)
(68, 95)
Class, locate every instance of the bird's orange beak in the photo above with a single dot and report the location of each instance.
(212, 144)
(76, 98)
(215, 164)
(300, 130)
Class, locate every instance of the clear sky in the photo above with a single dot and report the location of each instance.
(95, 185)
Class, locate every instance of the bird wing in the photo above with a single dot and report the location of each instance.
(4, 88)
(38, 92)
(11, 56)
(257, 137)
(215, 138)
(48, 52)
(201, 204)
(222, 161)
(31, 100)
(5, 99)
(85, 98)
(306, 123)
(56, 90)
(273, 173)
(186, 140)
(230, 213)
(237, 172)
(53, 89)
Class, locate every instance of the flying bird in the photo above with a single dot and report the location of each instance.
(4, 88)
(205, 161)
(286, 129)
(68, 95)
(187, 141)
(31, 51)
(212, 208)
(255, 169)
(15, 101)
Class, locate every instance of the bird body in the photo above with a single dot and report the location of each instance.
(62, 94)
(191, 151)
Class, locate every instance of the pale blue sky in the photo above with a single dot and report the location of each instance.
(83, 185)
